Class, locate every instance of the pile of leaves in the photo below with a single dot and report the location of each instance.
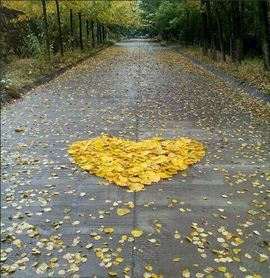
(132, 164)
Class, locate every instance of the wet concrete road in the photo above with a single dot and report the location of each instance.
(213, 222)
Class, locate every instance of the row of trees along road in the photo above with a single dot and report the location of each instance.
(61, 24)
(232, 27)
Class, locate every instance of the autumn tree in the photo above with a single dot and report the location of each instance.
(64, 22)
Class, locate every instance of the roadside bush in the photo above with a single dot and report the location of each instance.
(37, 50)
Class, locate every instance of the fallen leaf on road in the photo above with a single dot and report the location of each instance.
(137, 233)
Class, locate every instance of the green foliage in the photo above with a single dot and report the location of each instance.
(231, 26)
(37, 50)
(166, 17)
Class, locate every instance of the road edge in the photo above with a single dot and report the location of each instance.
(252, 91)
(49, 77)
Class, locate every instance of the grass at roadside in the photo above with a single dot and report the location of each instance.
(22, 72)
(250, 71)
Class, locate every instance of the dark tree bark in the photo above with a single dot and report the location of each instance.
(232, 33)
(80, 30)
(242, 28)
(97, 33)
(231, 39)
(100, 33)
(103, 33)
(204, 33)
(93, 33)
(98, 41)
(87, 31)
(211, 31)
(71, 27)
(46, 27)
(236, 42)
(59, 28)
(187, 25)
(265, 32)
(220, 32)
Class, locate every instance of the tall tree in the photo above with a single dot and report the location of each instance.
(59, 28)
(187, 11)
(205, 27)
(103, 33)
(80, 30)
(211, 30)
(87, 31)
(93, 33)
(71, 27)
(97, 30)
(100, 33)
(44, 9)
(236, 29)
(265, 32)
(220, 30)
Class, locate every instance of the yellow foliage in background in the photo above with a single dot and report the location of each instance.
(132, 164)
(121, 13)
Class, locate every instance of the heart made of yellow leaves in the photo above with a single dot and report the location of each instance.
(132, 164)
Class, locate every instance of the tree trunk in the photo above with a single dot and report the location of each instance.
(97, 33)
(211, 30)
(187, 24)
(220, 35)
(213, 48)
(80, 30)
(239, 29)
(205, 33)
(187, 28)
(103, 33)
(71, 27)
(242, 27)
(87, 31)
(100, 33)
(46, 27)
(265, 32)
(98, 42)
(59, 28)
(237, 44)
(93, 33)
(232, 34)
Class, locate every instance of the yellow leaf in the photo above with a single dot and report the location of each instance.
(112, 274)
(148, 267)
(137, 233)
(122, 211)
(186, 273)
(135, 187)
(119, 260)
(222, 268)
(108, 230)
(263, 258)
